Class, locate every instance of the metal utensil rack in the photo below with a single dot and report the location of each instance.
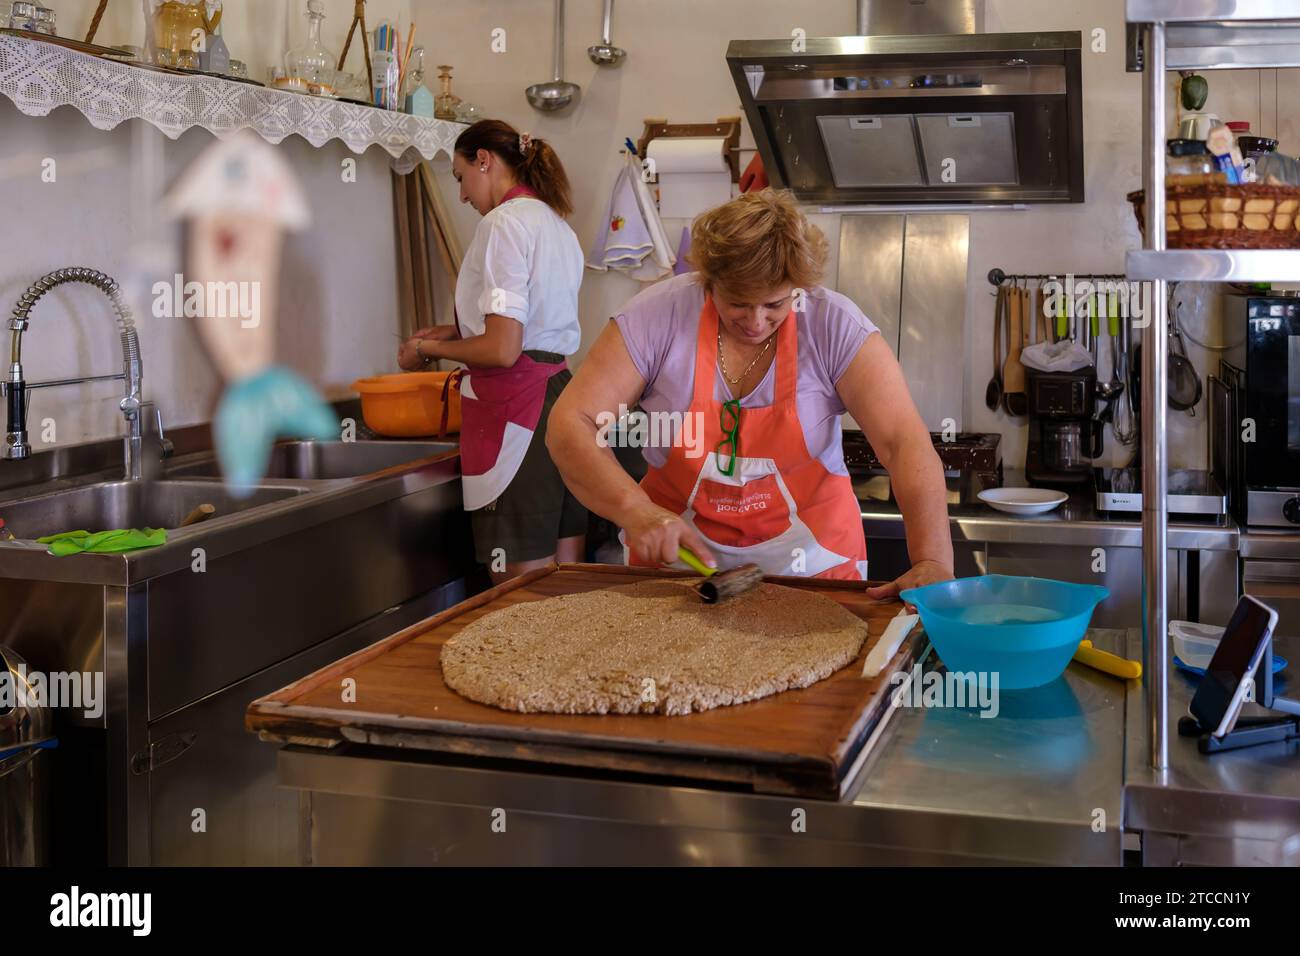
(1183, 35)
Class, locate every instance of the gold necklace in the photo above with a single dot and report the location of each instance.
(723, 361)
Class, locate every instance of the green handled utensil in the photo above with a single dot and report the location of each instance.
(695, 563)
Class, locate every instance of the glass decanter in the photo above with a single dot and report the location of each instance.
(311, 67)
(445, 103)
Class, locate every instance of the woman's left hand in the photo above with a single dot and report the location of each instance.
(415, 353)
(919, 575)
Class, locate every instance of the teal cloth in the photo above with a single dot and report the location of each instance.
(254, 412)
(103, 542)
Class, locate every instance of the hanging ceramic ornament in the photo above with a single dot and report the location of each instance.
(238, 199)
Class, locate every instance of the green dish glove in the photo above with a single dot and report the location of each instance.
(103, 542)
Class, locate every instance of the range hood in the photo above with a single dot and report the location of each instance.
(949, 118)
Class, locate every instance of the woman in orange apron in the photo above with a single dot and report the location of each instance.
(742, 370)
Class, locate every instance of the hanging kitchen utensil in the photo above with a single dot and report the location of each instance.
(1040, 313)
(605, 53)
(1185, 387)
(1062, 320)
(1013, 375)
(1125, 421)
(1094, 327)
(555, 94)
(993, 393)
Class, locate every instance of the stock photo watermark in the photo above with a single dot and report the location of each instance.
(946, 689)
(642, 429)
(208, 300)
(58, 690)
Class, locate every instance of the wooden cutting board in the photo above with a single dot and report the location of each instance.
(802, 742)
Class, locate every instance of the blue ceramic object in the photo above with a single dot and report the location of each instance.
(1024, 629)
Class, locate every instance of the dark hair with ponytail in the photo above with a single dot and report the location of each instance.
(533, 161)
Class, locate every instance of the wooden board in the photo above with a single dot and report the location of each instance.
(798, 742)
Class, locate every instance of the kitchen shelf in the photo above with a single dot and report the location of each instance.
(1215, 265)
(40, 77)
(1172, 35)
(1222, 34)
(1202, 11)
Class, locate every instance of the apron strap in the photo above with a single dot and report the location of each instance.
(452, 379)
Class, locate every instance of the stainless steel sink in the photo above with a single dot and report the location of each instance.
(323, 460)
(128, 504)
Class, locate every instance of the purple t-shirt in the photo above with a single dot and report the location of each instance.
(660, 327)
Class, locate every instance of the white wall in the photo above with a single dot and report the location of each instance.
(675, 67)
(339, 302)
(337, 298)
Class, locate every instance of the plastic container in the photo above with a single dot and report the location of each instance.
(1195, 644)
(1024, 629)
(408, 405)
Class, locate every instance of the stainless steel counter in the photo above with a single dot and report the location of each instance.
(1077, 522)
(1057, 777)
(1075, 542)
(183, 636)
(1039, 783)
(1236, 808)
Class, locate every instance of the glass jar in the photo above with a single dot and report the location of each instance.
(180, 30)
(45, 21)
(22, 16)
(1188, 157)
(311, 66)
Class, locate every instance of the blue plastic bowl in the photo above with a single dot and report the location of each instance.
(1024, 629)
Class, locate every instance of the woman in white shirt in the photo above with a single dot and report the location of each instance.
(516, 321)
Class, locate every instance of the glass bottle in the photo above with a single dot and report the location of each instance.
(311, 66)
(445, 103)
(419, 98)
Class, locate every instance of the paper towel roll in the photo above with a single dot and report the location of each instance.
(688, 154)
(693, 174)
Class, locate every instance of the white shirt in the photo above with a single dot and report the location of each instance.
(524, 263)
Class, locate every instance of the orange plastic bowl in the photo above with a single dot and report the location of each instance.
(408, 405)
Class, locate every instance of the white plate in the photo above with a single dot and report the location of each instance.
(1023, 501)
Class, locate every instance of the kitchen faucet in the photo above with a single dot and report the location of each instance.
(15, 390)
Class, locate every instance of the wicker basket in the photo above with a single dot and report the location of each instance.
(1213, 215)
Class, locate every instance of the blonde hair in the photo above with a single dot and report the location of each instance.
(756, 242)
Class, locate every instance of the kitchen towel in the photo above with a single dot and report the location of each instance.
(103, 542)
(754, 177)
(631, 238)
(624, 240)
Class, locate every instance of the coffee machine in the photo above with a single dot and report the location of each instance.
(1061, 426)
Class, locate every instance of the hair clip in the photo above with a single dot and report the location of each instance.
(525, 141)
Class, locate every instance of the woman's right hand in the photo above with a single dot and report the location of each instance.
(655, 534)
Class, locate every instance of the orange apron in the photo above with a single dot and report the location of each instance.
(784, 512)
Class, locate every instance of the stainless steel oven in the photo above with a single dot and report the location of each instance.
(1264, 372)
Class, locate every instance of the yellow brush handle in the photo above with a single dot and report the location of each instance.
(1107, 663)
(694, 562)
